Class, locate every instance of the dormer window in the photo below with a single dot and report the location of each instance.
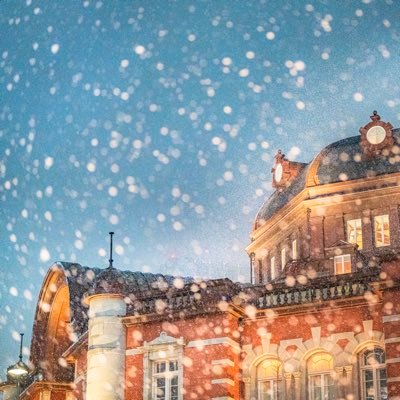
(381, 229)
(354, 232)
(342, 264)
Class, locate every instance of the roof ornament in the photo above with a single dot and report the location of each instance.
(375, 116)
(279, 156)
(110, 265)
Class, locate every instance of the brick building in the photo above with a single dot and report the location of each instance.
(320, 319)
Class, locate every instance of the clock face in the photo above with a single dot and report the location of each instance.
(278, 173)
(376, 135)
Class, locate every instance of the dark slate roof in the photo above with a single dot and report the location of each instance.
(342, 160)
(138, 286)
(346, 157)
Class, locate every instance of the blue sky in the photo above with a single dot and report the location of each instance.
(159, 120)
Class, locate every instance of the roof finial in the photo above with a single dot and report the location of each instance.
(110, 265)
(20, 346)
(375, 116)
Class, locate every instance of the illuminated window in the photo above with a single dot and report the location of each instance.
(269, 379)
(283, 258)
(165, 380)
(320, 381)
(342, 264)
(382, 233)
(354, 232)
(294, 249)
(272, 266)
(373, 375)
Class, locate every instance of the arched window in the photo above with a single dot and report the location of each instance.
(373, 374)
(269, 379)
(320, 381)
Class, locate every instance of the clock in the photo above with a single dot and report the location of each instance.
(376, 137)
(278, 173)
(376, 134)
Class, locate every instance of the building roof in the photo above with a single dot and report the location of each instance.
(340, 161)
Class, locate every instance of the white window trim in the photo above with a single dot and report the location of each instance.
(356, 221)
(283, 258)
(322, 374)
(342, 256)
(275, 385)
(374, 370)
(272, 265)
(294, 249)
(382, 234)
(163, 348)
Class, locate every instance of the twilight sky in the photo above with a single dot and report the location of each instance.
(159, 120)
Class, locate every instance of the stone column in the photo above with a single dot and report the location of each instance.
(106, 348)
(348, 388)
(288, 386)
(339, 387)
(297, 385)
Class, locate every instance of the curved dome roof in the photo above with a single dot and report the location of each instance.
(340, 161)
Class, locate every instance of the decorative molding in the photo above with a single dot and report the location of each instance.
(225, 361)
(393, 340)
(393, 360)
(393, 380)
(134, 352)
(391, 318)
(223, 381)
(215, 341)
(222, 398)
(164, 339)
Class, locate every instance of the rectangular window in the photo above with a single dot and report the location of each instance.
(354, 232)
(382, 233)
(165, 380)
(294, 249)
(322, 387)
(342, 264)
(272, 267)
(267, 390)
(283, 258)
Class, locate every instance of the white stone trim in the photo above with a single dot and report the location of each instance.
(222, 398)
(393, 360)
(222, 381)
(214, 341)
(391, 318)
(391, 380)
(134, 352)
(225, 361)
(393, 340)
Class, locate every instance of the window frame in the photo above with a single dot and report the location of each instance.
(382, 231)
(295, 254)
(276, 380)
(168, 379)
(163, 348)
(323, 374)
(375, 370)
(358, 224)
(343, 263)
(272, 267)
(283, 258)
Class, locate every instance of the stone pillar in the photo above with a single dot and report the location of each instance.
(339, 386)
(297, 385)
(348, 387)
(106, 348)
(288, 386)
(367, 231)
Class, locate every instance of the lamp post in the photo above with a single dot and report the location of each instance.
(18, 372)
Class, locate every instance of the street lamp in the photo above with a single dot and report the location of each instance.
(19, 370)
